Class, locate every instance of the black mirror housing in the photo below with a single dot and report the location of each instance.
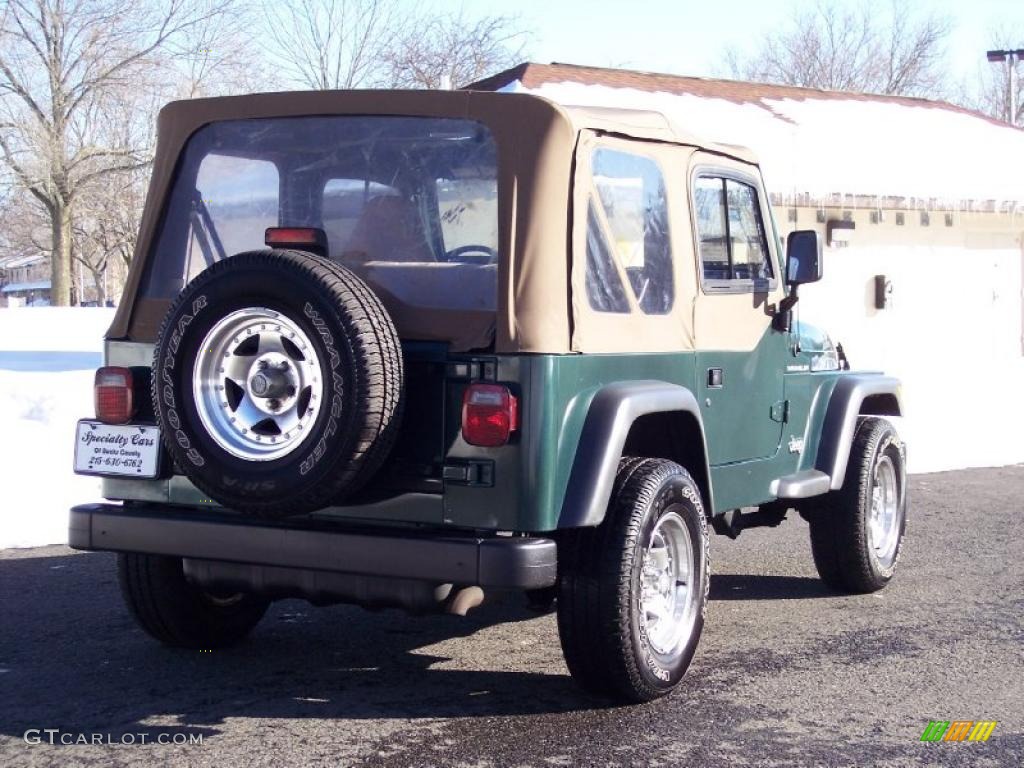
(803, 257)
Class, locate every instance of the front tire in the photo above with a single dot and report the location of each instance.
(178, 613)
(633, 591)
(857, 531)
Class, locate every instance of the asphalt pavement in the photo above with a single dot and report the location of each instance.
(787, 672)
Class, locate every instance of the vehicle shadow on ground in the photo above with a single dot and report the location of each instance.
(71, 657)
(757, 587)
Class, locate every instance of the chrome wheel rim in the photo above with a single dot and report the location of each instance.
(257, 384)
(668, 588)
(884, 518)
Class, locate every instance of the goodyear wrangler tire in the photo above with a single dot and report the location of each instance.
(633, 591)
(178, 613)
(857, 531)
(277, 382)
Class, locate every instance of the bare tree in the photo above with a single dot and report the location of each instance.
(63, 63)
(852, 49)
(23, 226)
(105, 229)
(331, 44)
(449, 51)
(216, 57)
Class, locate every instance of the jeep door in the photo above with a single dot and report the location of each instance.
(740, 356)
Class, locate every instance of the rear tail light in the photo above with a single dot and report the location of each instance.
(490, 414)
(115, 403)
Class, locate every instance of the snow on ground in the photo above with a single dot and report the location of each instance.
(816, 145)
(47, 359)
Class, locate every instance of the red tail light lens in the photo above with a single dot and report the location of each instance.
(115, 403)
(490, 414)
(303, 238)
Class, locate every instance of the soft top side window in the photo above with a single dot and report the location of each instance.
(731, 235)
(627, 232)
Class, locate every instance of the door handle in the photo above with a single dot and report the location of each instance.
(715, 378)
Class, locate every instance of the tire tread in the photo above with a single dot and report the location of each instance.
(837, 521)
(173, 611)
(379, 380)
(595, 579)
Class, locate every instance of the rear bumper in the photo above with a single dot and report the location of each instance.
(498, 561)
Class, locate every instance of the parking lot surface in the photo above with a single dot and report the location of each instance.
(787, 673)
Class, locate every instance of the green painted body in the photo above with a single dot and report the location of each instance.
(753, 425)
(748, 448)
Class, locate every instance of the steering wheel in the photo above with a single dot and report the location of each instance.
(472, 254)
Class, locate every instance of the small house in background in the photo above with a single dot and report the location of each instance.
(920, 205)
(24, 280)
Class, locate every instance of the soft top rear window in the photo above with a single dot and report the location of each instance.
(409, 203)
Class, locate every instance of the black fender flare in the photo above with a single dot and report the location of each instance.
(609, 418)
(854, 395)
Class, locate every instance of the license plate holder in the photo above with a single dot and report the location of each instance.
(120, 450)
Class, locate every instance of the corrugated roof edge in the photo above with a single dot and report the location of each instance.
(533, 75)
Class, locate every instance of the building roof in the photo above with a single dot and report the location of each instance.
(41, 285)
(21, 260)
(812, 142)
(532, 75)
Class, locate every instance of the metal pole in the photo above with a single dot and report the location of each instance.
(1012, 58)
(1011, 61)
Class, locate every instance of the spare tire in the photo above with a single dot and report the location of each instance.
(277, 382)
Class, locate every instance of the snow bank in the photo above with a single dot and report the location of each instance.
(826, 146)
(47, 359)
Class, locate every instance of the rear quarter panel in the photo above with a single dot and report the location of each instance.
(533, 472)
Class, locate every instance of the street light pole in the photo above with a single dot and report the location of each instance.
(1011, 57)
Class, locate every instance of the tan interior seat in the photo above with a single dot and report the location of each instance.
(389, 229)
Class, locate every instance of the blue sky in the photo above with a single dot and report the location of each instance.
(686, 37)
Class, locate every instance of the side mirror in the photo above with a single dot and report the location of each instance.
(803, 257)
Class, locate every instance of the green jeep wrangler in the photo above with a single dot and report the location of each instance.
(407, 349)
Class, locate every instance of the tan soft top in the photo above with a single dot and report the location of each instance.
(647, 124)
(536, 141)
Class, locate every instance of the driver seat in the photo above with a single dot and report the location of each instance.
(389, 229)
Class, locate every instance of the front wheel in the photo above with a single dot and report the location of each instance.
(857, 531)
(633, 591)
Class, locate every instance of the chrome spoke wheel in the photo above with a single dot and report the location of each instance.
(669, 585)
(884, 521)
(257, 384)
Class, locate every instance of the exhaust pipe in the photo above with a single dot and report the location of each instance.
(327, 587)
(464, 600)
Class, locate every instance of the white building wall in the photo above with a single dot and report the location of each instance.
(953, 335)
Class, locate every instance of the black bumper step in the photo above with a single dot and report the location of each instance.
(514, 562)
